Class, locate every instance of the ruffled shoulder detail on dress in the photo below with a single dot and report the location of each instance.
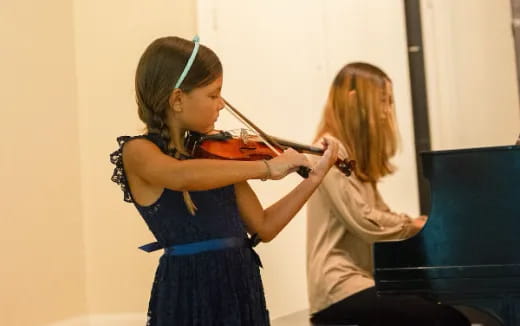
(116, 158)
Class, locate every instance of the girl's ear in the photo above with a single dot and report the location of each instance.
(175, 100)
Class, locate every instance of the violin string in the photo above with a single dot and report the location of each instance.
(349, 163)
(247, 124)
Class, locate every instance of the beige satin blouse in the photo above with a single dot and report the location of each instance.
(344, 218)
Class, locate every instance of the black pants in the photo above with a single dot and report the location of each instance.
(365, 308)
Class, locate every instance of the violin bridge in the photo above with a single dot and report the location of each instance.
(244, 136)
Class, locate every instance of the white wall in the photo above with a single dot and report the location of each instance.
(279, 60)
(471, 73)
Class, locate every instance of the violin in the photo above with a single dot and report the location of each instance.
(244, 146)
(249, 147)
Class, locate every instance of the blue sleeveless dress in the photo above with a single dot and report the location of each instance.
(210, 288)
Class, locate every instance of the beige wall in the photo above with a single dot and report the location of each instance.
(110, 37)
(42, 271)
(68, 241)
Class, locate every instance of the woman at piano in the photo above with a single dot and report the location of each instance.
(346, 215)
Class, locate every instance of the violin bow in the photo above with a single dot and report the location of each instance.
(268, 140)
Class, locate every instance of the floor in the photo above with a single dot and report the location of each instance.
(301, 318)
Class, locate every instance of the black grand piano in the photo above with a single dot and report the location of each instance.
(468, 253)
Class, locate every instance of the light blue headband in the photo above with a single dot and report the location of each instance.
(190, 62)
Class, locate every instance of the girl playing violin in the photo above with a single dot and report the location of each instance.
(201, 210)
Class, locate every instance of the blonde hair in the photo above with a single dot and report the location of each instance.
(159, 67)
(360, 113)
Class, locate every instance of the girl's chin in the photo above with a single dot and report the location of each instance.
(208, 130)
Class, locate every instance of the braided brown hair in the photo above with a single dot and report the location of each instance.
(159, 68)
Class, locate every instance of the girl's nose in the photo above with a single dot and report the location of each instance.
(221, 104)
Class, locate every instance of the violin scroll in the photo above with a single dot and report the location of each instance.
(346, 166)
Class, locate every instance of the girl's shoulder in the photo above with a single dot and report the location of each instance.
(116, 158)
(154, 138)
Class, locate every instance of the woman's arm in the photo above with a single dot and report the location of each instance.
(346, 197)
